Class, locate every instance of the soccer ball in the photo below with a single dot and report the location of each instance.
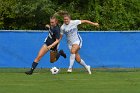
(54, 70)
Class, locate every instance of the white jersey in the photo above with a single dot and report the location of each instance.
(71, 31)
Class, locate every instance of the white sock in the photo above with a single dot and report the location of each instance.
(72, 59)
(83, 63)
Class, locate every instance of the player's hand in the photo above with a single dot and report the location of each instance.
(49, 47)
(47, 26)
(96, 24)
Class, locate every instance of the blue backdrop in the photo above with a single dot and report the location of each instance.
(100, 49)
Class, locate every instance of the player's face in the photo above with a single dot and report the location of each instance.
(66, 20)
(53, 22)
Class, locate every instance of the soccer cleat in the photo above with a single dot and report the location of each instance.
(62, 53)
(69, 70)
(29, 72)
(88, 69)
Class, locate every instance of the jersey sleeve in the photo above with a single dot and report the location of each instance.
(61, 30)
(77, 22)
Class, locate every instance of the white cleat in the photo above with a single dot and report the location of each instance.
(88, 69)
(69, 70)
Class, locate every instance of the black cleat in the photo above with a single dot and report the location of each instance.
(62, 53)
(29, 72)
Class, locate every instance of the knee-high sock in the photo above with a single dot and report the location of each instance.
(83, 63)
(72, 59)
(34, 64)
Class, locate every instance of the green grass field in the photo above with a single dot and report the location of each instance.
(42, 81)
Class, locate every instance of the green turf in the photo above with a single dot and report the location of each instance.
(42, 81)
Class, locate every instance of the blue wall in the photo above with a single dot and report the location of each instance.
(100, 49)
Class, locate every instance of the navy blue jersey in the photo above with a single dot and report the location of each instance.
(54, 33)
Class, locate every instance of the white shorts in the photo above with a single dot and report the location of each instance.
(76, 42)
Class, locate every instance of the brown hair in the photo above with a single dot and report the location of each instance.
(53, 17)
(67, 15)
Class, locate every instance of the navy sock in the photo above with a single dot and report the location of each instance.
(57, 55)
(61, 52)
(34, 64)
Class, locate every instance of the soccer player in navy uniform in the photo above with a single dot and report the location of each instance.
(50, 43)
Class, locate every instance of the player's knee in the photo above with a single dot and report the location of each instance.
(73, 51)
(78, 60)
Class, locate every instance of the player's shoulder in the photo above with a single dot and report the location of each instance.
(57, 27)
(62, 27)
(75, 21)
(72, 21)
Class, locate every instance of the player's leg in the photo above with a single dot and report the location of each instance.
(55, 54)
(41, 53)
(74, 49)
(82, 62)
(60, 53)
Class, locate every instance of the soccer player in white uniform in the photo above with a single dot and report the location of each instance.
(69, 28)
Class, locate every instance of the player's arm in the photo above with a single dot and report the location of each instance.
(61, 33)
(57, 34)
(89, 22)
(54, 43)
(61, 36)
